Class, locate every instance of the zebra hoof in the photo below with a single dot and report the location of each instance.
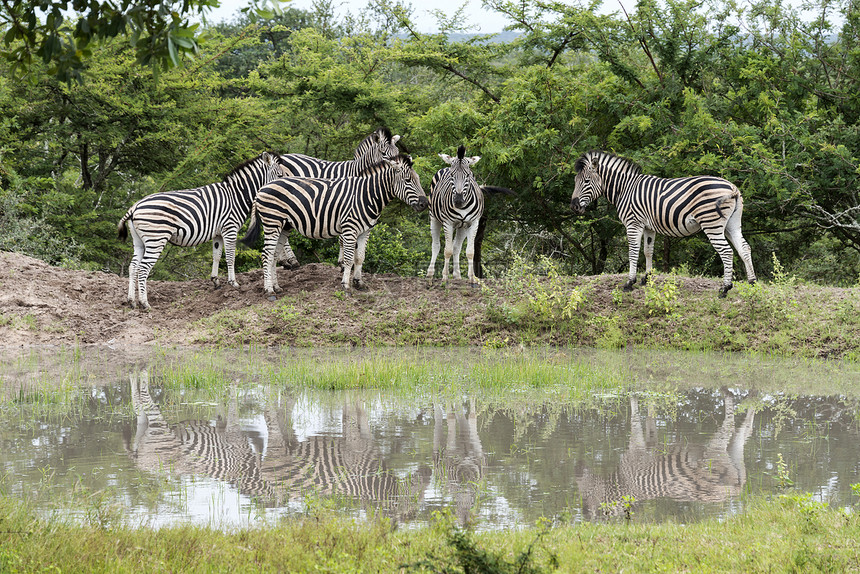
(359, 285)
(629, 285)
(234, 284)
(644, 280)
(216, 283)
(290, 264)
(724, 290)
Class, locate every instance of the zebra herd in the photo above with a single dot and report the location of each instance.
(323, 199)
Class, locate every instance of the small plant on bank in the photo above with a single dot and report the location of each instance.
(662, 300)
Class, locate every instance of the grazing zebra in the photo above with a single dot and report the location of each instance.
(374, 148)
(683, 471)
(190, 217)
(321, 208)
(677, 207)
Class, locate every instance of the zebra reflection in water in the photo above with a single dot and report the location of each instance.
(278, 467)
(459, 461)
(684, 472)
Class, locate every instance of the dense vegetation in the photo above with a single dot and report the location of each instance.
(761, 94)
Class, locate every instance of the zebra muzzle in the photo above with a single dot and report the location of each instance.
(421, 204)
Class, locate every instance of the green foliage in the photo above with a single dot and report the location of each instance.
(757, 95)
(661, 300)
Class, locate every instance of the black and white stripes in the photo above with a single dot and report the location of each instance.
(321, 208)
(193, 216)
(374, 148)
(456, 205)
(676, 207)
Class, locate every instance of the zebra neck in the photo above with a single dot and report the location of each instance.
(618, 185)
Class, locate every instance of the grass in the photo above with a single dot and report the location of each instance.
(543, 308)
(789, 533)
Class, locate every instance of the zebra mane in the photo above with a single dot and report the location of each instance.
(602, 158)
(461, 152)
(383, 164)
(245, 164)
(381, 132)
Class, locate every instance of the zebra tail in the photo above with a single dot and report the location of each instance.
(735, 194)
(253, 233)
(493, 189)
(122, 228)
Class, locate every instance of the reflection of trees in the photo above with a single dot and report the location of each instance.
(459, 462)
(349, 465)
(680, 471)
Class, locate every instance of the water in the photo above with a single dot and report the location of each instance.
(115, 445)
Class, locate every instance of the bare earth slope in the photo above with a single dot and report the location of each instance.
(43, 306)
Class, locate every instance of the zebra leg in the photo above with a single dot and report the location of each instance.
(134, 266)
(230, 236)
(459, 237)
(151, 254)
(648, 248)
(348, 242)
(435, 233)
(282, 246)
(216, 260)
(634, 239)
(471, 232)
(733, 232)
(717, 238)
(361, 247)
(285, 254)
(449, 249)
(270, 278)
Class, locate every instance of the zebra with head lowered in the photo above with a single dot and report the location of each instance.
(190, 217)
(374, 148)
(677, 207)
(322, 208)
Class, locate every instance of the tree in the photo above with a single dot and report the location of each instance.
(161, 33)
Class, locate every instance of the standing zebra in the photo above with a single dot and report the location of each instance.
(456, 203)
(374, 148)
(677, 207)
(321, 208)
(190, 217)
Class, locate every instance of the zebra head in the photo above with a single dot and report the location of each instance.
(588, 184)
(463, 181)
(376, 147)
(407, 184)
(274, 168)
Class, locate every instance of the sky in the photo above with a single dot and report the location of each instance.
(479, 20)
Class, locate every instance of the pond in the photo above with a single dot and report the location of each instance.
(159, 439)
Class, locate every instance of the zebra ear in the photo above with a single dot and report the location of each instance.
(447, 158)
(473, 160)
(395, 139)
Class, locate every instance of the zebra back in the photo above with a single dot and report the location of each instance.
(374, 148)
(200, 212)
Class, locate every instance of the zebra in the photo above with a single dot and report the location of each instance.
(190, 217)
(374, 148)
(713, 472)
(677, 207)
(457, 205)
(321, 208)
